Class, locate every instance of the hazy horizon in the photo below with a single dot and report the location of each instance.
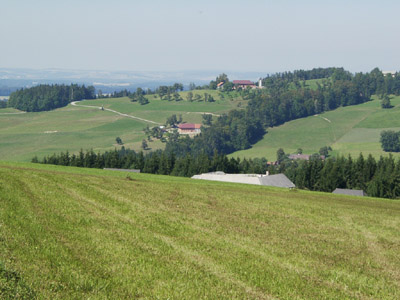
(180, 36)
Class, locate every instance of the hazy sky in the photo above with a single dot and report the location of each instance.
(251, 35)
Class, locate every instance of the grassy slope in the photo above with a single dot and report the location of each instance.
(80, 233)
(352, 130)
(23, 136)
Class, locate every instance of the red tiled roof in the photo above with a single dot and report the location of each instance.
(189, 126)
(243, 82)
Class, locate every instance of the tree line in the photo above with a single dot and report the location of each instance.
(47, 97)
(157, 162)
(378, 178)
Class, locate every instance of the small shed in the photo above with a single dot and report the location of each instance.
(350, 192)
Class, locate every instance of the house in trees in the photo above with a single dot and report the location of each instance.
(243, 84)
(389, 73)
(189, 128)
(220, 85)
(350, 192)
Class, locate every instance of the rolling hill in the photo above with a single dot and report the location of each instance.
(85, 233)
(71, 128)
(348, 130)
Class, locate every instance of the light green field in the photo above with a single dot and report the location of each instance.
(73, 233)
(350, 130)
(9, 110)
(23, 136)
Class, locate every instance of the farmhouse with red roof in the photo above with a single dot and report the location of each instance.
(243, 84)
(189, 128)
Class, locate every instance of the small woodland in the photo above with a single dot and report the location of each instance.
(47, 97)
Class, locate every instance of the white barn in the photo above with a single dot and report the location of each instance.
(278, 180)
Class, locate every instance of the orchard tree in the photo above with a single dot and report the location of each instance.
(119, 141)
(144, 144)
(207, 119)
(385, 102)
(172, 120)
(189, 96)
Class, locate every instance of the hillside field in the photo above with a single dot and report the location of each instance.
(83, 233)
(71, 128)
(348, 130)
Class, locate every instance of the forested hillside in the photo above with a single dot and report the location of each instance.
(48, 97)
(286, 97)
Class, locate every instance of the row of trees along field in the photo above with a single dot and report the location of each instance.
(157, 162)
(378, 178)
(284, 99)
(48, 97)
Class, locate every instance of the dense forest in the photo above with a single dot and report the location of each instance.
(48, 97)
(378, 178)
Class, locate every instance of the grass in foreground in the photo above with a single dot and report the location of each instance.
(84, 233)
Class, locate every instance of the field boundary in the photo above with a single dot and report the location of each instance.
(116, 112)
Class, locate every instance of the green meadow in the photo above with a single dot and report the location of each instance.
(71, 128)
(70, 233)
(348, 130)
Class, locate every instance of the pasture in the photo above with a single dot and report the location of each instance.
(348, 130)
(83, 233)
(72, 128)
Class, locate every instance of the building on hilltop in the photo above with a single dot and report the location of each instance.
(278, 180)
(350, 192)
(243, 84)
(189, 128)
(387, 73)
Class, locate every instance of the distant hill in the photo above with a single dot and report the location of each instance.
(24, 135)
(348, 130)
(79, 233)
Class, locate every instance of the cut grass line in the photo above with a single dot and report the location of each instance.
(14, 113)
(212, 267)
(326, 119)
(116, 112)
(203, 113)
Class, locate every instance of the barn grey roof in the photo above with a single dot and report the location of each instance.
(124, 170)
(349, 192)
(278, 180)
